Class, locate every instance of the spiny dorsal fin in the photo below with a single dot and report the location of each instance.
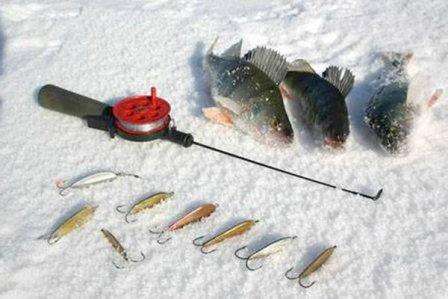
(301, 65)
(233, 51)
(269, 61)
(344, 84)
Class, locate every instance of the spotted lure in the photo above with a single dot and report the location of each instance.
(119, 248)
(76, 221)
(314, 266)
(144, 204)
(197, 214)
(234, 231)
(271, 248)
(92, 179)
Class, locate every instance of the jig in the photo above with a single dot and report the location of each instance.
(269, 249)
(119, 248)
(197, 214)
(234, 231)
(77, 220)
(312, 267)
(92, 179)
(144, 204)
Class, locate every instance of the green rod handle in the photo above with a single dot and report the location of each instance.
(58, 99)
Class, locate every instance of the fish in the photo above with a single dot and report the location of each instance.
(318, 102)
(197, 214)
(392, 110)
(79, 219)
(267, 250)
(312, 267)
(245, 92)
(96, 178)
(234, 231)
(144, 204)
(116, 245)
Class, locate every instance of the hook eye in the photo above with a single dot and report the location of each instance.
(290, 277)
(119, 209)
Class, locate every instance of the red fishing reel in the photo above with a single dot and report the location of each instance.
(142, 115)
(136, 118)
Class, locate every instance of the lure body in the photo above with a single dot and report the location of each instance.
(313, 266)
(270, 249)
(145, 204)
(77, 220)
(194, 216)
(115, 244)
(96, 178)
(119, 248)
(234, 231)
(197, 214)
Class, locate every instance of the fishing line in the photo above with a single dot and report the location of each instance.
(288, 172)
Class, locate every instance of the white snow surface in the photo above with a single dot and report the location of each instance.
(111, 49)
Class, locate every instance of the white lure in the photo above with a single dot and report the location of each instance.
(96, 178)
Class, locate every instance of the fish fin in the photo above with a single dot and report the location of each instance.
(233, 51)
(434, 97)
(210, 50)
(218, 115)
(301, 65)
(344, 84)
(268, 61)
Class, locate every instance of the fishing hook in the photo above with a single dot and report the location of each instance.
(249, 268)
(119, 210)
(299, 277)
(143, 257)
(51, 241)
(202, 245)
(160, 233)
(240, 257)
(207, 252)
(198, 238)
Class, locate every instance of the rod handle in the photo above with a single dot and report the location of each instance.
(184, 139)
(58, 99)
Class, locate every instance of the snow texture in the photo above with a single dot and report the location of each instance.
(111, 49)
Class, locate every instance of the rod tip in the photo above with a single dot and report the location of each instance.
(378, 195)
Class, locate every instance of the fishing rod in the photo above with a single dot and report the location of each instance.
(143, 118)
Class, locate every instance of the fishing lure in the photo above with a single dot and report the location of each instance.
(77, 220)
(144, 204)
(197, 214)
(96, 178)
(119, 248)
(234, 231)
(271, 248)
(314, 266)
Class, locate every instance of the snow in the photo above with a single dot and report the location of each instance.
(111, 49)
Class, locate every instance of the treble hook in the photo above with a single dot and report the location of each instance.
(119, 210)
(300, 277)
(247, 259)
(143, 257)
(160, 233)
(195, 243)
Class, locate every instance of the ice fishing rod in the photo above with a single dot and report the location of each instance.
(142, 118)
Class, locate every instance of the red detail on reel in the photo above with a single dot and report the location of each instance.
(142, 114)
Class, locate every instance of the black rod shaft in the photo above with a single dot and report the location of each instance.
(289, 173)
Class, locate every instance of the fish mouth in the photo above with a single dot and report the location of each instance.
(333, 143)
